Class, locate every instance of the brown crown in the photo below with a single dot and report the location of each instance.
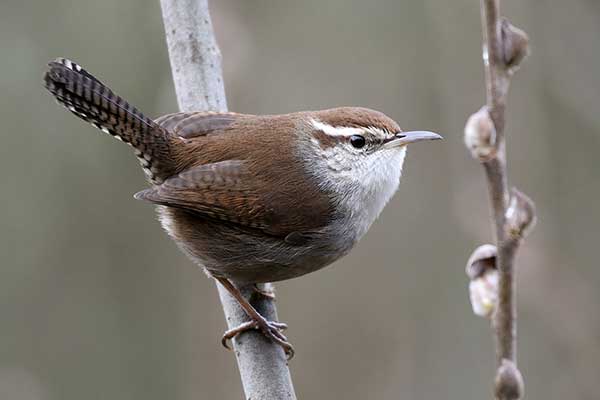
(357, 117)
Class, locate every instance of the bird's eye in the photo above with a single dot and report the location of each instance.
(357, 141)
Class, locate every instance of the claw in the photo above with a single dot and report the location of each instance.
(271, 329)
(231, 333)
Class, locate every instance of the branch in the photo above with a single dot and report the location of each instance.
(196, 66)
(491, 268)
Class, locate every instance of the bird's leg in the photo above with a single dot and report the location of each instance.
(270, 329)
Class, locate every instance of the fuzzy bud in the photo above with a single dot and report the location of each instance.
(520, 215)
(480, 135)
(508, 384)
(483, 287)
(515, 45)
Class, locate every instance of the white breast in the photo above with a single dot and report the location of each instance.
(375, 190)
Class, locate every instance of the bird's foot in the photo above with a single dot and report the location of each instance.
(271, 329)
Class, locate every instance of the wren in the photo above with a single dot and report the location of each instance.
(253, 199)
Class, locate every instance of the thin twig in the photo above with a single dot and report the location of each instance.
(497, 83)
(513, 213)
(196, 66)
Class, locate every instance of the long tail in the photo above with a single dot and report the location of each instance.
(91, 100)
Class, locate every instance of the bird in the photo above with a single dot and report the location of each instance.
(252, 198)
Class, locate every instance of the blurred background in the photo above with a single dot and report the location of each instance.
(97, 303)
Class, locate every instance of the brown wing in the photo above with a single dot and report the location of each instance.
(224, 190)
(194, 124)
(219, 176)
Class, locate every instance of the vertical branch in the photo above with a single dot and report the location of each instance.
(194, 54)
(196, 66)
(492, 268)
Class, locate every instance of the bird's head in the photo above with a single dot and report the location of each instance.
(356, 154)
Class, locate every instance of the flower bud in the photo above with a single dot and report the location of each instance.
(515, 45)
(520, 215)
(482, 260)
(508, 384)
(483, 287)
(480, 135)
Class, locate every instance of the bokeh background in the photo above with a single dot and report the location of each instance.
(97, 303)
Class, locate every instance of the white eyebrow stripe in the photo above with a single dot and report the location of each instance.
(336, 130)
(346, 131)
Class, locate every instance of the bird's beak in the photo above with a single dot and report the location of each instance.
(404, 138)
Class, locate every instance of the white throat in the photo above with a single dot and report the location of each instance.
(375, 191)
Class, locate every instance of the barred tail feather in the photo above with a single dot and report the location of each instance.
(91, 100)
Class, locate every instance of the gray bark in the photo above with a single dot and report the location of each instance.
(197, 74)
